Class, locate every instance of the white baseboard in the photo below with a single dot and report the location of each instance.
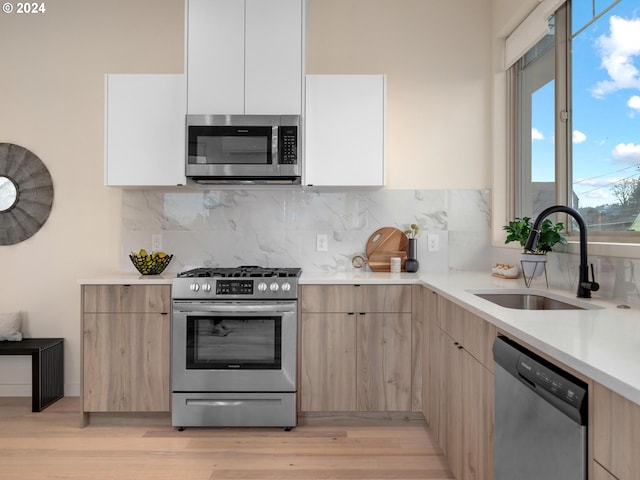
(24, 390)
(21, 390)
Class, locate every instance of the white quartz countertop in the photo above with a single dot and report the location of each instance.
(603, 343)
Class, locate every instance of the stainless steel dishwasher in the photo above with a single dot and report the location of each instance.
(540, 417)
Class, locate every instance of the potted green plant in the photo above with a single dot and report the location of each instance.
(550, 234)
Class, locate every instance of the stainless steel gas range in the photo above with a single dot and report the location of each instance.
(233, 347)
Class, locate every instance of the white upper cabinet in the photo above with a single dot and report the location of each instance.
(145, 130)
(215, 56)
(345, 128)
(245, 57)
(273, 61)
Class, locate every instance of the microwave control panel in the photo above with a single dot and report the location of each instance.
(288, 145)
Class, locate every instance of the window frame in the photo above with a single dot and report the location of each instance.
(621, 243)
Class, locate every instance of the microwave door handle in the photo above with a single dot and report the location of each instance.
(275, 137)
(189, 307)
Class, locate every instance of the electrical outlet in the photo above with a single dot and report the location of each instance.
(156, 242)
(322, 243)
(433, 242)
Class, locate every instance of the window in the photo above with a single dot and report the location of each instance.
(578, 117)
(535, 169)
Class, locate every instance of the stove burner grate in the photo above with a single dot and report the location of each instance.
(241, 271)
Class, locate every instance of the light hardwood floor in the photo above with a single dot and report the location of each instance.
(51, 445)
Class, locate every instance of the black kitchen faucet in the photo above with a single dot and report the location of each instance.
(585, 286)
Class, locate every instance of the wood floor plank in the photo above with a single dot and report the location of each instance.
(51, 445)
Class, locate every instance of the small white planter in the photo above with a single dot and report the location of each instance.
(533, 265)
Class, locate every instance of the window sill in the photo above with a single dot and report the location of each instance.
(608, 249)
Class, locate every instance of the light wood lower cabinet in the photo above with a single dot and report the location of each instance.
(459, 386)
(430, 358)
(355, 362)
(451, 402)
(477, 419)
(328, 362)
(356, 348)
(125, 348)
(616, 426)
(458, 398)
(383, 362)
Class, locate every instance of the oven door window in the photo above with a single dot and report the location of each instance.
(230, 145)
(234, 342)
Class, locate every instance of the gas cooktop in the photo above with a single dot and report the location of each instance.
(244, 282)
(241, 271)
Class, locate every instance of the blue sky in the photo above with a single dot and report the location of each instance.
(606, 104)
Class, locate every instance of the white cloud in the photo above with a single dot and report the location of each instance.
(578, 136)
(617, 51)
(536, 134)
(628, 153)
(634, 103)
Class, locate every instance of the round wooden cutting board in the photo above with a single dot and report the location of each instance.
(383, 244)
(387, 239)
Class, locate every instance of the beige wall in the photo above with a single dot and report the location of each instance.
(437, 56)
(52, 83)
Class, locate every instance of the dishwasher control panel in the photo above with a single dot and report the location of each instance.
(543, 377)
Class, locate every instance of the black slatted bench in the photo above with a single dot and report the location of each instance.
(47, 368)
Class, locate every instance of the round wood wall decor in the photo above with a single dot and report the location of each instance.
(26, 193)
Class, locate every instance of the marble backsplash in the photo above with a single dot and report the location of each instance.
(278, 227)
(615, 275)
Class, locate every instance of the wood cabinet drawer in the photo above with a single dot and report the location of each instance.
(478, 339)
(474, 333)
(126, 298)
(356, 298)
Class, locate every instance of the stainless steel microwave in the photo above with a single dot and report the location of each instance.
(243, 149)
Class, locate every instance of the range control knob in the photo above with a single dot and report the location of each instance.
(194, 287)
(206, 287)
(262, 287)
(286, 287)
(274, 287)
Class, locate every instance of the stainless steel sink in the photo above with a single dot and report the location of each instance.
(528, 300)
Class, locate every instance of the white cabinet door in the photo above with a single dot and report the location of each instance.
(245, 57)
(345, 130)
(215, 56)
(145, 130)
(273, 61)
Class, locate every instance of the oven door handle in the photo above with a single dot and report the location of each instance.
(234, 307)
